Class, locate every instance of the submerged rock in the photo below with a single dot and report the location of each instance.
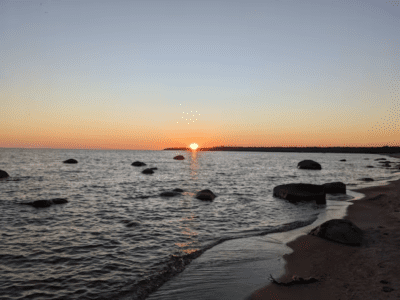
(380, 159)
(295, 192)
(42, 203)
(169, 194)
(339, 230)
(335, 187)
(138, 164)
(153, 168)
(206, 195)
(370, 167)
(46, 203)
(309, 165)
(3, 174)
(147, 171)
(70, 161)
(179, 157)
(133, 224)
(342, 160)
(177, 190)
(366, 179)
(59, 201)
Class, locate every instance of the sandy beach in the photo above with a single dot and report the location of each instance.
(370, 271)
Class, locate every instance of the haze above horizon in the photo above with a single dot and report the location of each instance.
(161, 74)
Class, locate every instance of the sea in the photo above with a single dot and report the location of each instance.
(117, 237)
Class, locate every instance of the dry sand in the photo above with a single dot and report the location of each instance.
(371, 271)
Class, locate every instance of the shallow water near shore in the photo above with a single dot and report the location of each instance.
(85, 250)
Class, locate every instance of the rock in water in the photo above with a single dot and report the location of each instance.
(342, 160)
(147, 171)
(177, 190)
(206, 195)
(179, 157)
(295, 192)
(41, 203)
(335, 187)
(70, 161)
(339, 230)
(138, 164)
(366, 179)
(309, 165)
(47, 203)
(59, 201)
(3, 174)
(169, 194)
(133, 224)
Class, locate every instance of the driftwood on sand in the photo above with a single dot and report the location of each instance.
(296, 280)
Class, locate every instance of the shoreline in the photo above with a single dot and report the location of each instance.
(348, 272)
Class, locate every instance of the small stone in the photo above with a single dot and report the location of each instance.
(387, 289)
(147, 171)
(168, 194)
(179, 157)
(384, 281)
(206, 195)
(42, 203)
(59, 200)
(309, 165)
(367, 179)
(133, 223)
(138, 164)
(70, 161)
(4, 174)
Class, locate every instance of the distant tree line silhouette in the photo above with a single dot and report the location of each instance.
(384, 149)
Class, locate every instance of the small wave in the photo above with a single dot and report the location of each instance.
(175, 264)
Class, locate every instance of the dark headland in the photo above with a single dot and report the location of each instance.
(375, 150)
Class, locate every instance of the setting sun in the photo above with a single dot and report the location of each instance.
(194, 146)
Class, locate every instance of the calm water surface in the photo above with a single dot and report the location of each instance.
(116, 231)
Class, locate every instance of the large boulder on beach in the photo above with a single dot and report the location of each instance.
(138, 164)
(335, 188)
(295, 192)
(339, 230)
(70, 161)
(309, 165)
(179, 157)
(206, 195)
(147, 171)
(3, 174)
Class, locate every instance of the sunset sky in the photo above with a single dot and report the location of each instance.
(99, 74)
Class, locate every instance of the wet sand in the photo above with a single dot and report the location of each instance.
(371, 271)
